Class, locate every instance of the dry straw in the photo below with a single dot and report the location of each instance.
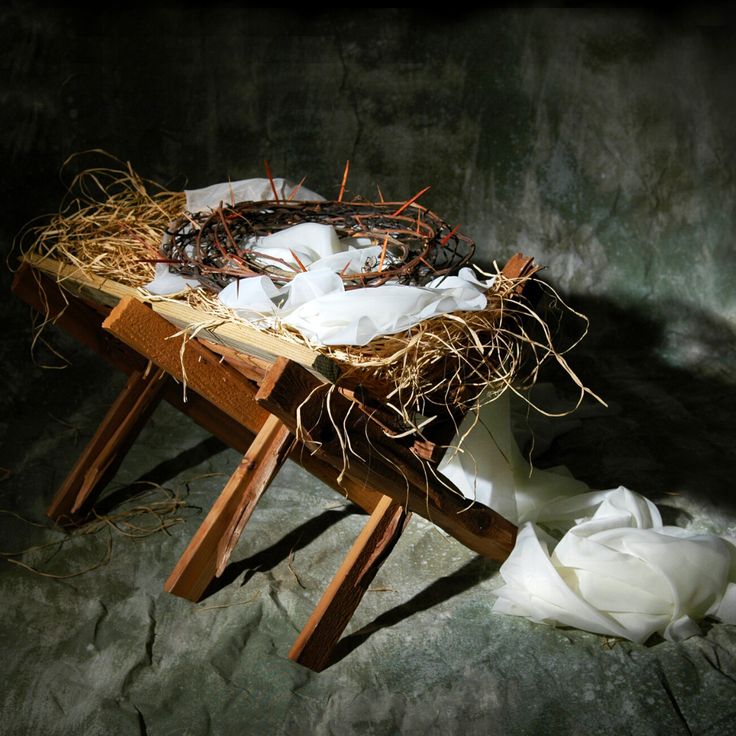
(113, 224)
(110, 224)
(148, 516)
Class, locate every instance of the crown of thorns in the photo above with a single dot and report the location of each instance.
(222, 245)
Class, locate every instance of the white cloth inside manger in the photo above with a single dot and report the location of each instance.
(315, 302)
(617, 570)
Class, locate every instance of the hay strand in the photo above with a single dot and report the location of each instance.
(127, 522)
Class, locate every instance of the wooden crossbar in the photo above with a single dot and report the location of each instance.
(296, 397)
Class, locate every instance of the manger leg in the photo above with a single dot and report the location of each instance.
(102, 456)
(211, 546)
(318, 638)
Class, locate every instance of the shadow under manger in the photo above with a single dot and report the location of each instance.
(670, 378)
(441, 590)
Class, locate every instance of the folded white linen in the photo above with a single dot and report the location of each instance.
(253, 298)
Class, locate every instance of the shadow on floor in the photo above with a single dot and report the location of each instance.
(270, 557)
(443, 589)
(164, 471)
(670, 380)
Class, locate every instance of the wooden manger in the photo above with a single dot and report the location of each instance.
(262, 396)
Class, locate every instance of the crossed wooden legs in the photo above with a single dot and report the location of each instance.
(225, 399)
(232, 415)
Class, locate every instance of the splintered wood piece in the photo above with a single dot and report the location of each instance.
(317, 639)
(187, 360)
(520, 266)
(210, 548)
(359, 450)
(103, 454)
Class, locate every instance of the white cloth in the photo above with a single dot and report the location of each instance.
(315, 301)
(616, 571)
(245, 190)
(619, 572)
(486, 465)
(165, 282)
(358, 316)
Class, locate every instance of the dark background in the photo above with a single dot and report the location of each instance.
(602, 142)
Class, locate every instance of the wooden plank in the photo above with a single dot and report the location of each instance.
(242, 337)
(103, 454)
(187, 360)
(254, 369)
(238, 335)
(211, 546)
(227, 389)
(265, 457)
(75, 280)
(317, 639)
(84, 322)
(376, 461)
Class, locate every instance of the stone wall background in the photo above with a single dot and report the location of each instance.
(602, 142)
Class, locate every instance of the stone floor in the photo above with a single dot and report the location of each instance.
(600, 141)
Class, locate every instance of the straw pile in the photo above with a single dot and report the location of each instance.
(113, 225)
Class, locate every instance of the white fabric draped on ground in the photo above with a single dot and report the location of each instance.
(616, 570)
